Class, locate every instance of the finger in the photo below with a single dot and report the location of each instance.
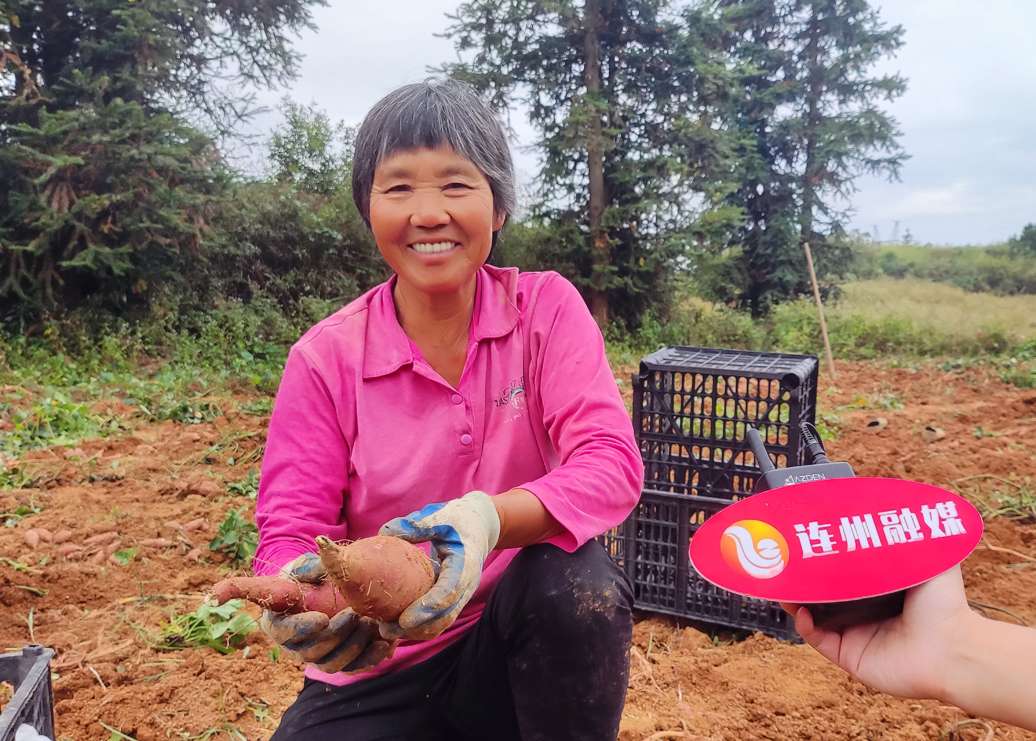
(307, 568)
(413, 527)
(826, 642)
(449, 593)
(391, 631)
(790, 607)
(345, 652)
(285, 629)
(312, 652)
(315, 647)
(377, 652)
(423, 625)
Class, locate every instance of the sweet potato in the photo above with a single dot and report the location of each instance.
(67, 549)
(32, 538)
(62, 536)
(156, 543)
(200, 524)
(45, 535)
(380, 576)
(102, 538)
(280, 595)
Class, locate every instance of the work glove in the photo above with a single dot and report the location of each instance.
(343, 643)
(462, 534)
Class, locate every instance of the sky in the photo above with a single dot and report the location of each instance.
(968, 117)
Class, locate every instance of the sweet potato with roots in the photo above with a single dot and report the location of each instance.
(280, 595)
(380, 576)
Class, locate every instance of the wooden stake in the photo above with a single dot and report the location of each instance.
(820, 309)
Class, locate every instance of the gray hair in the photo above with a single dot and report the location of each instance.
(433, 114)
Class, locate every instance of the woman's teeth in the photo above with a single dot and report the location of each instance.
(432, 248)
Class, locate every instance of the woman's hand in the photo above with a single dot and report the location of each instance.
(462, 533)
(344, 643)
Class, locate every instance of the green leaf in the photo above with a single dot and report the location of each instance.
(126, 555)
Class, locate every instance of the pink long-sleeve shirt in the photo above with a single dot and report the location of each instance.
(364, 430)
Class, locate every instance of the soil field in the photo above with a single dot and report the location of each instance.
(102, 615)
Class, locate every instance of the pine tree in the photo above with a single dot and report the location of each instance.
(106, 174)
(808, 113)
(617, 90)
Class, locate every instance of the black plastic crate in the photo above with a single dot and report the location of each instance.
(33, 702)
(693, 405)
(691, 409)
(652, 547)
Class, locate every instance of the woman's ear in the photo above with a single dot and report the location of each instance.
(499, 219)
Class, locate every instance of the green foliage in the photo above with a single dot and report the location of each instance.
(126, 555)
(20, 513)
(857, 331)
(107, 188)
(1001, 270)
(105, 200)
(1010, 498)
(796, 328)
(309, 152)
(257, 407)
(16, 477)
(162, 373)
(246, 487)
(304, 255)
(644, 122)
(221, 627)
(804, 103)
(236, 537)
(1024, 245)
(295, 246)
(49, 420)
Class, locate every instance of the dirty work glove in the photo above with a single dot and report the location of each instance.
(462, 533)
(344, 643)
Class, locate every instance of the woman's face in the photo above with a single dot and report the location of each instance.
(432, 215)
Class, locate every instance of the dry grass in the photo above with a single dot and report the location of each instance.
(942, 308)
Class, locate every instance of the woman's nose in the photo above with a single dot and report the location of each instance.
(429, 212)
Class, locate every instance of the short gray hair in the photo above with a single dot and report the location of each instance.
(433, 114)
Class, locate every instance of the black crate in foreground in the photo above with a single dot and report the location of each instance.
(652, 547)
(692, 406)
(691, 409)
(33, 702)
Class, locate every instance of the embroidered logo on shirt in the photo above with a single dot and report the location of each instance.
(513, 396)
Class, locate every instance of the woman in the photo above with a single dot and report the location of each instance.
(481, 402)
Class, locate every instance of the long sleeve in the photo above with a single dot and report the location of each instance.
(305, 469)
(599, 475)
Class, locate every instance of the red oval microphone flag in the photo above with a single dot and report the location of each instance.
(836, 540)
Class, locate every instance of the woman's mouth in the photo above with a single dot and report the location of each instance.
(433, 247)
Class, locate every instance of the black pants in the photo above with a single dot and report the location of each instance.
(548, 659)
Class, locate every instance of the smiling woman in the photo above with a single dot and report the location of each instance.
(433, 216)
(480, 401)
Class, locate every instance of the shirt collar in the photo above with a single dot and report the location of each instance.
(387, 348)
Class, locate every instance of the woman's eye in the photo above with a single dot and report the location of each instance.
(399, 189)
(456, 186)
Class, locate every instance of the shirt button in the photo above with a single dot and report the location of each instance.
(457, 398)
(465, 439)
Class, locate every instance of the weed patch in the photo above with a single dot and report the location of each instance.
(246, 487)
(237, 538)
(996, 496)
(221, 627)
